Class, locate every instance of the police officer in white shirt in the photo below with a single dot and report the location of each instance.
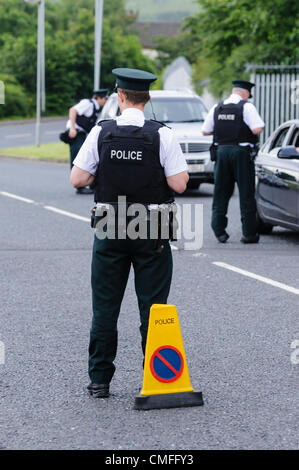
(143, 161)
(82, 118)
(235, 125)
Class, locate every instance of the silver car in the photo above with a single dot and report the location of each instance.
(184, 112)
(277, 178)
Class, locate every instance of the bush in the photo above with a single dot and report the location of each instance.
(17, 103)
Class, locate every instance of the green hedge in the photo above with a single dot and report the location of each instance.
(16, 103)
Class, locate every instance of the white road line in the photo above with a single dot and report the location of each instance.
(16, 136)
(66, 213)
(58, 211)
(266, 280)
(14, 196)
(49, 208)
(51, 132)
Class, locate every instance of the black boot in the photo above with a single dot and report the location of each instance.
(98, 390)
(250, 239)
(223, 238)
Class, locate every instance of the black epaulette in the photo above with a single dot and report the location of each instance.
(159, 122)
(104, 120)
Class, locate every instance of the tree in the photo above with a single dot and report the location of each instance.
(232, 33)
(17, 102)
(171, 48)
(69, 44)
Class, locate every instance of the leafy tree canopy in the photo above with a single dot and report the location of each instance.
(69, 46)
(225, 35)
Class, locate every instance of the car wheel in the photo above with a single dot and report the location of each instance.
(193, 184)
(263, 227)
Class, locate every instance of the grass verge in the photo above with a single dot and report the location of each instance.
(57, 152)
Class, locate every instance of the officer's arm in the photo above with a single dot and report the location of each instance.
(80, 178)
(253, 119)
(257, 131)
(73, 116)
(208, 125)
(178, 182)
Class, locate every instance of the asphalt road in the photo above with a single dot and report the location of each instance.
(237, 331)
(20, 133)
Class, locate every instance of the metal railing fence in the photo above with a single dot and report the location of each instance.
(276, 94)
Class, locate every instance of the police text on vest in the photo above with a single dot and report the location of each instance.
(226, 117)
(126, 155)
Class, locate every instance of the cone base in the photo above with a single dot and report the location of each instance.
(168, 400)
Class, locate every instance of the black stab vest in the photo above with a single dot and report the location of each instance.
(87, 123)
(229, 125)
(129, 164)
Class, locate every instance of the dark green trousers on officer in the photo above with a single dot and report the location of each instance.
(75, 146)
(111, 262)
(233, 164)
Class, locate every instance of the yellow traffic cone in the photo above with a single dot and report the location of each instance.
(166, 381)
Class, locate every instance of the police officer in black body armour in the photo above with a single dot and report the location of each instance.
(82, 117)
(143, 162)
(235, 125)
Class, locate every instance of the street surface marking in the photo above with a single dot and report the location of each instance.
(51, 132)
(57, 211)
(16, 136)
(14, 196)
(66, 213)
(266, 280)
(49, 208)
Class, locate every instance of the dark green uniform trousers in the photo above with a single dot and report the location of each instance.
(111, 262)
(76, 145)
(233, 164)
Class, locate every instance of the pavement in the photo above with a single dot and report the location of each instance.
(237, 325)
(22, 132)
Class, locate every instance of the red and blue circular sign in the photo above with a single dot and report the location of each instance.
(167, 364)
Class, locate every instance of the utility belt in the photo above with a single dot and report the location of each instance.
(161, 216)
(253, 151)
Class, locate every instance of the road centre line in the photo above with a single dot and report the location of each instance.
(66, 213)
(266, 280)
(58, 211)
(19, 198)
(16, 136)
(49, 208)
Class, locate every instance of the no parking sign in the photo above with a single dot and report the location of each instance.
(167, 364)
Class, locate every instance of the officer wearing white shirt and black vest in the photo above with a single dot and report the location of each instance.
(235, 125)
(142, 161)
(82, 118)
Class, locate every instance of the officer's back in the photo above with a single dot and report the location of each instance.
(142, 162)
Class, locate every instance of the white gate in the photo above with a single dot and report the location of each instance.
(276, 94)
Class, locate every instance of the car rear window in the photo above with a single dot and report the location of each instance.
(279, 139)
(175, 110)
(294, 140)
